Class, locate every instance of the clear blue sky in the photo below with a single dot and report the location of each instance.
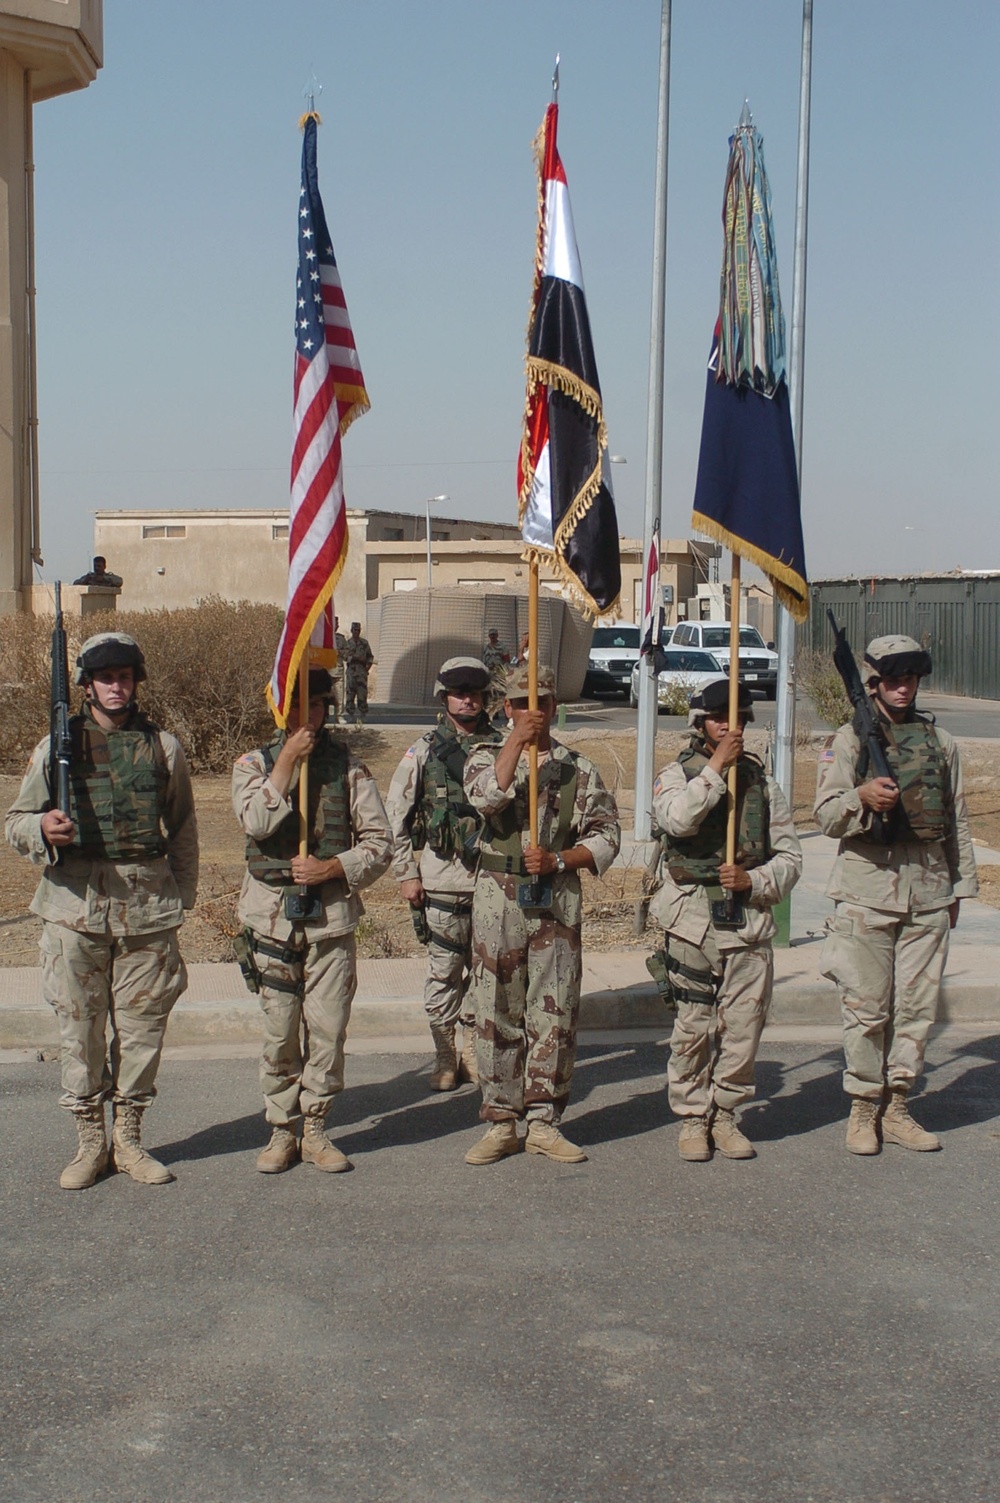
(165, 216)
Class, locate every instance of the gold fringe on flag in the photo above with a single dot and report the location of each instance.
(789, 586)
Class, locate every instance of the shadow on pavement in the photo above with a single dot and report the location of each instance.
(971, 1097)
(810, 1103)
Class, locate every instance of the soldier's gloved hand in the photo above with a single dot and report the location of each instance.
(879, 794)
(538, 862)
(57, 828)
(413, 891)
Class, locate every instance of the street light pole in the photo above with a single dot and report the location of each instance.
(430, 561)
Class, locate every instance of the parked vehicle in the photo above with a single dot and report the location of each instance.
(615, 649)
(684, 669)
(758, 663)
(600, 684)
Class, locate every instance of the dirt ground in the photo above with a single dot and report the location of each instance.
(386, 929)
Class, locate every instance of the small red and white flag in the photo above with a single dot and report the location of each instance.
(566, 506)
(329, 392)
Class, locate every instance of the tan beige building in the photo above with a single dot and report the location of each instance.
(175, 558)
(47, 47)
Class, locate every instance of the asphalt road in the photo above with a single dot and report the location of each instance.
(808, 1326)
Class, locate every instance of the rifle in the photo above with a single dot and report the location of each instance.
(60, 741)
(866, 724)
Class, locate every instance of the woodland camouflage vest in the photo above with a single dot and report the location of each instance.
(697, 858)
(330, 829)
(118, 788)
(918, 764)
(444, 819)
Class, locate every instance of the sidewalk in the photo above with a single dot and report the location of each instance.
(217, 1011)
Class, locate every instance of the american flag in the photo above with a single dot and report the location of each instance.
(329, 392)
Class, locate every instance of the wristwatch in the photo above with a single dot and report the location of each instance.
(560, 862)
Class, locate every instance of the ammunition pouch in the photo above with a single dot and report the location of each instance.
(421, 927)
(247, 946)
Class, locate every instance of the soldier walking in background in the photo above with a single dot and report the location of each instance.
(526, 919)
(305, 971)
(338, 676)
(904, 863)
(118, 869)
(358, 659)
(720, 976)
(496, 661)
(436, 834)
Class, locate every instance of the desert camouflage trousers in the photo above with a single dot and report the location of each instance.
(526, 974)
(129, 982)
(448, 970)
(713, 1048)
(888, 969)
(302, 1064)
(356, 691)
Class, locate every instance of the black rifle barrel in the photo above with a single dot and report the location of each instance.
(60, 746)
(866, 724)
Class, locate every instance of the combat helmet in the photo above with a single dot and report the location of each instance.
(456, 674)
(895, 657)
(109, 649)
(714, 696)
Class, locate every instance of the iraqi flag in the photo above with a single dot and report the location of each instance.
(566, 505)
(747, 490)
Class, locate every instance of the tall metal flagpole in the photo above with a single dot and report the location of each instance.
(784, 710)
(645, 744)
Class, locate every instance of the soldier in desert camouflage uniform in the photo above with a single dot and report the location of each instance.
(358, 659)
(118, 869)
(305, 973)
(720, 977)
(496, 661)
(339, 676)
(527, 961)
(436, 834)
(896, 899)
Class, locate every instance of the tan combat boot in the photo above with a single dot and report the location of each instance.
(91, 1155)
(545, 1137)
(317, 1148)
(899, 1127)
(281, 1152)
(129, 1155)
(727, 1137)
(862, 1127)
(444, 1076)
(500, 1140)
(694, 1144)
(468, 1070)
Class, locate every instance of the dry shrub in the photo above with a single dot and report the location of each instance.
(675, 698)
(208, 666)
(819, 679)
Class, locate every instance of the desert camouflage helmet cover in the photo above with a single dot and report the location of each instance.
(517, 681)
(462, 673)
(715, 696)
(896, 656)
(109, 649)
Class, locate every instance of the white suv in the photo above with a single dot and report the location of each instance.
(758, 664)
(615, 649)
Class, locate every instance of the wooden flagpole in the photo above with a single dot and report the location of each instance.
(304, 764)
(734, 712)
(533, 697)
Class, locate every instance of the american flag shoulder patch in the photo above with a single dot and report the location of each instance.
(826, 755)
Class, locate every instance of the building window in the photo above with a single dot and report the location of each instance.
(164, 532)
(279, 530)
(392, 534)
(404, 584)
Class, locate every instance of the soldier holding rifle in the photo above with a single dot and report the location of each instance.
(119, 856)
(889, 788)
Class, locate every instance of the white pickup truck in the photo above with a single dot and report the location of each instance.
(758, 663)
